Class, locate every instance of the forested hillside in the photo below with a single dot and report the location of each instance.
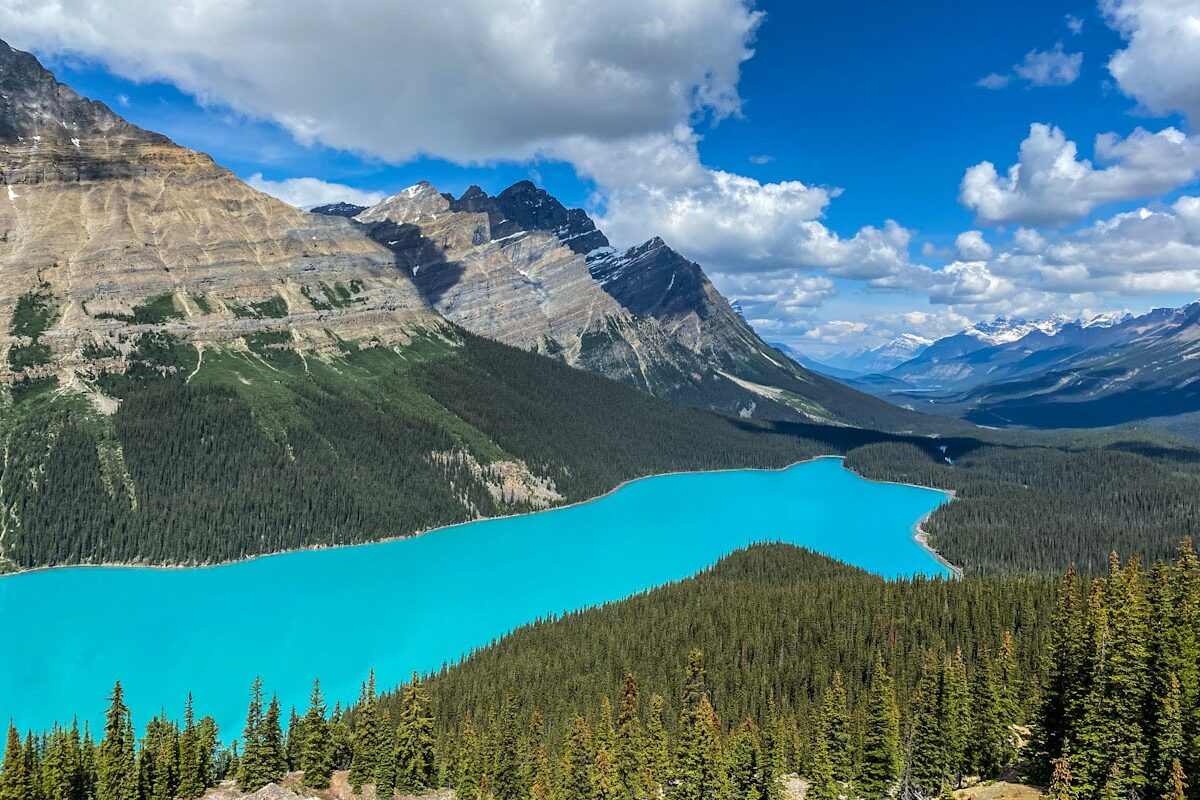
(776, 661)
(206, 452)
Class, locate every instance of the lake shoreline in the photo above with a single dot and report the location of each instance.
(919, 536)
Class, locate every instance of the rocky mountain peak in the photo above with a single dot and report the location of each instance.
(417, 202)
(35, 107)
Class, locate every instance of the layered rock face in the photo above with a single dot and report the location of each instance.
(521, 287)
(99, 217)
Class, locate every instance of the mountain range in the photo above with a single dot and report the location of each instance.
(1106, 370)
(182, 356)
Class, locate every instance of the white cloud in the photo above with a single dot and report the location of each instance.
(836, 332)
(762, 159)
(1074, 24)
(310, 192)
(1051, 185)
(971, 246)
(1160, 64)
(994, 81)
(1039, 68)
(469, 80)
(1049, 67)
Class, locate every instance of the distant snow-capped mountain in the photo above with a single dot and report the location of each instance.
(1104, 370)
(881, 357)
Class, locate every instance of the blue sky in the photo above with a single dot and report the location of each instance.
(771, 142)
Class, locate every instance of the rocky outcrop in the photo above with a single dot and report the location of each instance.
(104, 217)
(523, 288)
(525, 207)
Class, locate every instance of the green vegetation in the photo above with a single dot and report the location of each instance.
(387, 442)
(202, 303)
(154, 311)
(1039, 508)
(863, 687)
(34, 314)
(274, 308)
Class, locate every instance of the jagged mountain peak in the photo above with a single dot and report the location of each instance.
(526, 207)
(419, 201)
(35, 106)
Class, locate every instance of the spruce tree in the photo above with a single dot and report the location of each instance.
(366, 736)
(316, 756)
(468, 775)
(747, 775)
(415, 743)
(192, 781)
(13, 778)
(274, 756)
(928, 760)
(881, 761)
(835, 718)
(657, 750)
(509, 758)
(577, 761)
(606, 780)
(821, 783)
(116, 767)
(253, 767)
(629, 740)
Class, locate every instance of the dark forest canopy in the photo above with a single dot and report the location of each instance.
(204, 461)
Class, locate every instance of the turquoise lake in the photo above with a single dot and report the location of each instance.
(412, 604)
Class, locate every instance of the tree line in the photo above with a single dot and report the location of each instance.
(1090, 687)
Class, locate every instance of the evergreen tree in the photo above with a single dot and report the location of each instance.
(13, 778)
(657, 750)
(414, 740)
(366, 736)
(271, 738)
(821, 783)
(928, 760)
(835, 717)
(1067, 676)
(253, 767)
(577, 762)
(698, 768)
(116, 767)
(507, 765)
(629, 740)
(294, 739)
(192, 778)
(957, 719)
(606, 780)
(316, 756)
(775, 760)
(881, 758)
(468, 777)
(747, 774)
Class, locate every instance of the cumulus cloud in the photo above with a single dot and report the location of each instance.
(1049, 67)
(1039, 68)
(1160, 63)
(310, 192)
(1051, 185)
(971, 246)
(837, 331)
(470, 80)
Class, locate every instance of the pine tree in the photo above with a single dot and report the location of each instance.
(698, 768)
(414, 740)
(366, 736)
(253, 767)
(658, 751)
(629, 743)
(271, 738)
(606, 780)
(1177, 785)
(775, 760)
(881, 757)
(316, 756)
(294, 739)
(507, 771)
(13, 778)
(821, 783)
(992, 734)
(835, 718)
(116, 768)
(468, 777)
(192, 781)
(1068, 679)
(928, 760)
(1060, 780)
(577, 762)
(957, 719)
(746, 773)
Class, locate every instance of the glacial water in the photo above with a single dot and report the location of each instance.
(412, 604)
